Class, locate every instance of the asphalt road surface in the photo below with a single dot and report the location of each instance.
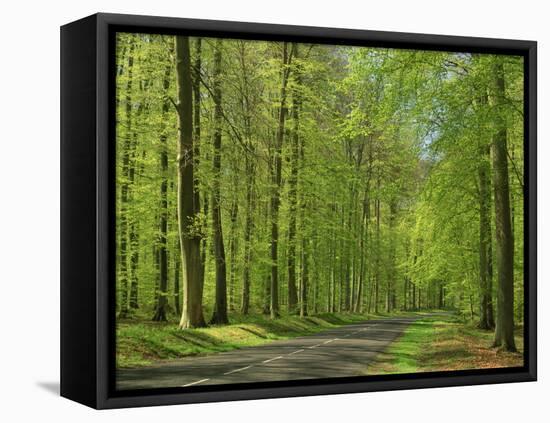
(340, 352)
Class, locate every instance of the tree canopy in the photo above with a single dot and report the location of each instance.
(278, 177)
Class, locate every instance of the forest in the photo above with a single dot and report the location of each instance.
(279, 178)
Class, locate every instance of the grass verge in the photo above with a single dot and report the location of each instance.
(142, 342)
(443, 343)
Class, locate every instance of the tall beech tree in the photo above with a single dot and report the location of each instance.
(220, 306)
(276, 173)
(504, 334)
(292, 193)
(247, 104)
(188, 207)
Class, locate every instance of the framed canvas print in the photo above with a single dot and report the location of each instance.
(256, 211)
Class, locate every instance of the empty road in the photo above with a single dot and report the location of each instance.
(338, 352)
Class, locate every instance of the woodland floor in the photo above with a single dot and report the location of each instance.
(445, 343)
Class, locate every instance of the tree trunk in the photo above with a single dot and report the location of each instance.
(245, 302)
(162, 302)
(330, 279)
(247, 110)
(196, 87)
(134, 222)
(292, 198)
(267, 295)
(233, 252)
(364, 230)
(490, 308)
(504, 334)
(333, 245)
(134, 231)
(219, 315)
(315, 277)
(349, 257)
(291, 255)
(305, 278)
(177, 265)
(484, 240)
(377, 265)
(134, 260)
(342, 258)
(123, 225)
(276, 185)
(390, 295)
(405, 294)
(188, 207)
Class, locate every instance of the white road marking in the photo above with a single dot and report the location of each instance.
(296, 352)
(272, 359)
(194, 383)
(238, 370)
(315, 346)
(330, 340)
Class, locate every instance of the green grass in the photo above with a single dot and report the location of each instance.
(442, 343)
(406, 351)
(141, 342)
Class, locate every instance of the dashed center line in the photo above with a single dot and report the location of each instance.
(238, 370)
(272, 359)
(296, 352)
(196, 382)
(315, 346)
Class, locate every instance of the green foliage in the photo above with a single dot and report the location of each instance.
(387, 186)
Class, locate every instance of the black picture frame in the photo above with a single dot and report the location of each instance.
(87, 198)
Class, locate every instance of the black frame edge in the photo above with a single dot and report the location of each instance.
(321, 34)
(395, 384)
(531, 184)
(78, 216)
